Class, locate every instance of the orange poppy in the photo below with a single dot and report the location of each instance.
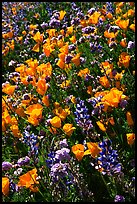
(123, 24)
(130, 138)
(129, 119)
(15, 131)
(113, 97)
(93, 149)
(36, 48)
(104, 82)
(124, 59)
(93, 19)
(62, 14)
(89, 90)
(8, 89)
(34, 110)
(42, 86)
(5, 185)
(45, 100)
(101, 126)
(132, 27)
(68, 129)
(38, 37)
(84, 72)
(78, 150)
(56, 122)
(28, 179)
(76, 60)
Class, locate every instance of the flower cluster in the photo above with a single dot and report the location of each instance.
(68, 95)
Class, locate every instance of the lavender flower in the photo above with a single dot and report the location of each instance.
(6, 166)
(131, 45)
(62, 154)
(59, 170)
(23, 161)
(119, 198)
(63, 143)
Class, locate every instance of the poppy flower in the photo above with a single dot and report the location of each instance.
(20, 111)
(89, 90)
(42, 86)
(130, 138)
(101, 126)
(45, 100)
(56, 122)
(68, 129)
(8, 89)
(36, 48)
(76, 59)
(15, 131)
(132, 27)
(34, 110)
(65, 84)
(123, 24)
(38, 37)
(28, 179)
(62, 14)
(5, 185)
(78, 150)
(69, 31)
(104, 82)
(61, 63)
(93, 149)
(84, 72)
(93, 19)
(129, 119)
(73, 39)
(123, 42)
(110, 34)
(124, 59)
(44, 70)
(47, 49)
(113, 97)
(60, 112)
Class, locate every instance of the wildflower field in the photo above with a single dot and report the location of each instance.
(68, 101)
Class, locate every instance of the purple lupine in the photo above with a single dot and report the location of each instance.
(31, 140)
(108, 159)
(82, 116)
(6, 166)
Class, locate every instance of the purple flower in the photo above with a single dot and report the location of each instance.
(91, 11)
(6, 166)
(63, 143)
(119, 198)
(68, 59)
(59, 170)
(131, 45)
(62, 154)
(23, 161)
(123, 103)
